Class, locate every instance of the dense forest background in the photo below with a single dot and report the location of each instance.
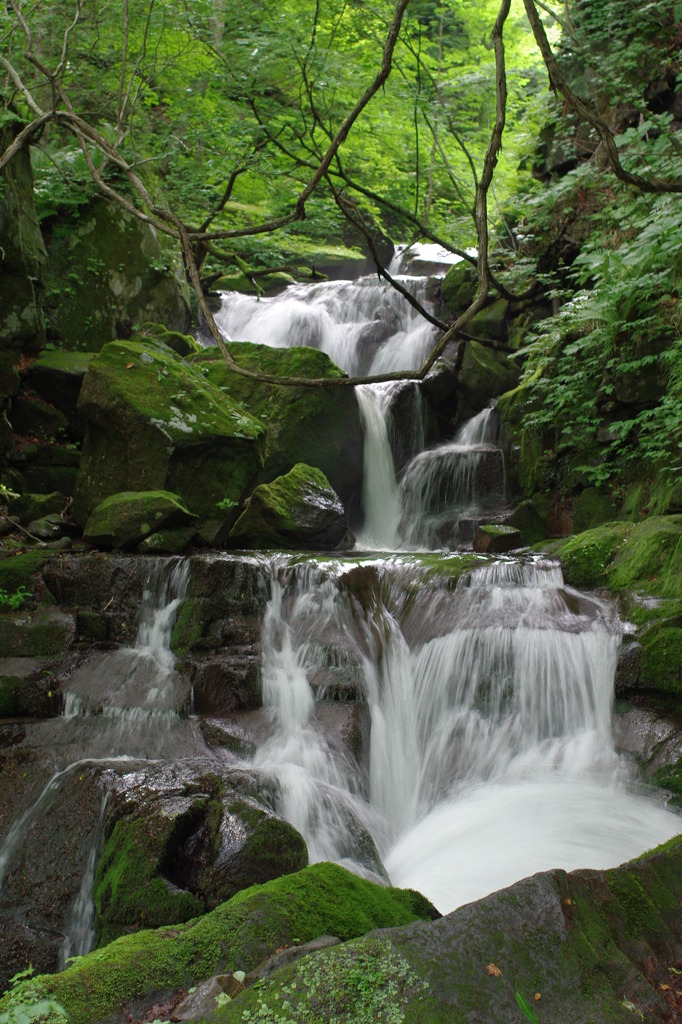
(243, 135)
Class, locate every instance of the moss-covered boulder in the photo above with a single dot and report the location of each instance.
(156, 423)
(298, 510)
(485, 373)
(458, 287)
(178, 844)
(318, 426)
(57, 378)
(182, 344)
(107, 271)
(645, 558)
(323, 899)
(589, 946)
(124, 520)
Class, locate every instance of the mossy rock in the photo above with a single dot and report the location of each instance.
(316, 425)
(107, 271)
(491, 321)
(531, 517)
(585, 558)
(323, 899)
(57, 377)
(38, 633)
(459, 287)
(181, 344)
(174, 431)
(124, 520)
(652, 558)
(496, 538)
(22, 570)
(26, 689)
(298, 510)
(596, 947)
(169, 542)
(485, 373)
(34, 506)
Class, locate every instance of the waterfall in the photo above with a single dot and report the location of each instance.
(490, 751)
(445, 490)
(380, 492)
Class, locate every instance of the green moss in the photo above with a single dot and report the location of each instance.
(123, 520)
(181, 344)
(21, 570)
(318, 426)
(586, 557)
(662, 658)
(652, 558)
(323, 899)
(128, 892)
(365, 982)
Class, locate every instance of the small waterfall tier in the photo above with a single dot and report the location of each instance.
(365, 326)
(446, 491)
(481, 717)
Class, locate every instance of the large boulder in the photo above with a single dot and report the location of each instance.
(298, 510)
(107, 272)
(155, 423)
(178, 842)
(124, 520)
(316, 425)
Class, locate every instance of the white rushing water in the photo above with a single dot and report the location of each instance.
(490, 752)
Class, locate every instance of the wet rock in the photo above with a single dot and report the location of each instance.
(180, 841)
(289, 956)
(33, 634)
(123, 520)
(45, 863)
(225, 683)
(628, 667)
(494, 538)
(57, 377)
(207, 997)
(298, 510)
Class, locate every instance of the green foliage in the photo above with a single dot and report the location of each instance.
(194, 93)
(26, 1008)
(526, 1008)
(14, 601)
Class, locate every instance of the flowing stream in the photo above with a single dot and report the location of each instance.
(488, 706)
(449, 738)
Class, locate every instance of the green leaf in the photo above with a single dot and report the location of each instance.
(525, 1008)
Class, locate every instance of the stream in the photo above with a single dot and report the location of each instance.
(482, 744)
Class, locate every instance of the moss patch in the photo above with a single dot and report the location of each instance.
(123, 520)
(321, 900)
(586, 557)
(318, 426)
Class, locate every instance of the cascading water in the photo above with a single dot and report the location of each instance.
(486, 711)
(490, 752)
(446, 490)
(121, 709)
